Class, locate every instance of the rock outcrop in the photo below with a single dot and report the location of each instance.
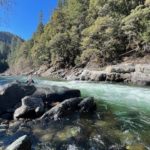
(12, 93)
(70, 106)
(22, 143)
(31, 107)
(141, 76)
(128, 73)
(87, 105)
(55, 94)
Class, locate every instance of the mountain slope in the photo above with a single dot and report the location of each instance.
(8, 44)
(8, 37)
(89, 33)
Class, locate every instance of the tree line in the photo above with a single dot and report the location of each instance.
(92, 31)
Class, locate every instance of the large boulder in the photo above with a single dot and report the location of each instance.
(31, 107)
(70, 106)
(62, 109)
(11, 94)
(55, 94)
(22, 143)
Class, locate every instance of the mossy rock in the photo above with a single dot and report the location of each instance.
(67, 133)
(135, 147)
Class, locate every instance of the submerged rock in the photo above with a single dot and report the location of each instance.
(31, 108)
(22, 143)
(11, 94)
(67, 132)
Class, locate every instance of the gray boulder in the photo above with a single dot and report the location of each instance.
(66, 107)
(139, 78)
(31, 107)
(22, 143)
(87, 105)
(121, 68)
(70, 106)
(11, 94)
(93, 75)
(55, 94)
(143, 68)
(114, 77)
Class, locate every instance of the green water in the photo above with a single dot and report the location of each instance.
(122, 119)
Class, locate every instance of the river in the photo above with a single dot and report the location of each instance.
(123, 118)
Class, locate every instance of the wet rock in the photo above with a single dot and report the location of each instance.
(69, 106)
(67, 133)
(2, 132)
(117, 147)
(3, 126)
(11, 94)
(31, 107)
(22, 143)
(114, 77)
(66, 107)
(14, 126)
(72, 147)
(7, 116)
(87, 105)
(56, 94)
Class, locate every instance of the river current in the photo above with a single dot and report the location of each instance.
(123, 118)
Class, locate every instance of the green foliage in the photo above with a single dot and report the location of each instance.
(102, 37)
(137, 28)
(80, 32)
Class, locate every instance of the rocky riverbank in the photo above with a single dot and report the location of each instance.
(130, 71)
(137, 74)
(21, 103)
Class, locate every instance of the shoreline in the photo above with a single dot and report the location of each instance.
(126, 73)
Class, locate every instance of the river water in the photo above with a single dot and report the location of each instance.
(122, 118)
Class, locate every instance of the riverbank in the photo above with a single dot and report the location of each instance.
(130, 71)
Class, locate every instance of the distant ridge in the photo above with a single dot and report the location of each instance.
(8, 44)
(7, 37)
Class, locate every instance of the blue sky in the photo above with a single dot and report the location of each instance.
(22, 18)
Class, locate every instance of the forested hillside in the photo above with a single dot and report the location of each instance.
(81, 32)
(8, 44)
